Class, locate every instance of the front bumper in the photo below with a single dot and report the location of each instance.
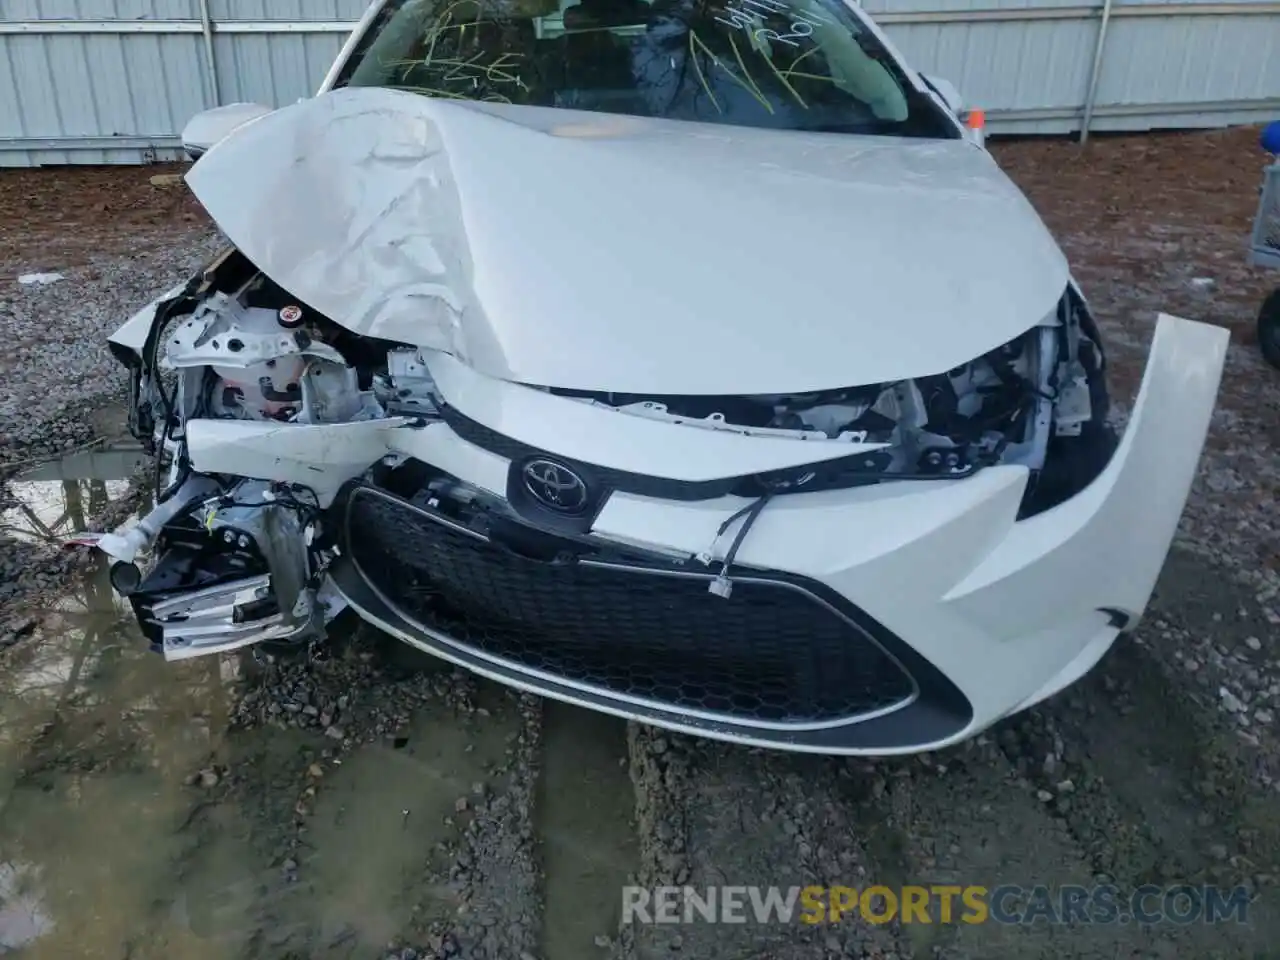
(986, 613)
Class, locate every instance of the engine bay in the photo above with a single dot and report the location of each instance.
(255, 353)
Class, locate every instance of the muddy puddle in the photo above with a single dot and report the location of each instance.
(147, 812)
(57, 499)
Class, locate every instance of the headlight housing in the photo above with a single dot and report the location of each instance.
(1038, 401)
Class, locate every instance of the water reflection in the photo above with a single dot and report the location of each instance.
(135, 824)
(22, 916)
(57, 499)
(97, 737)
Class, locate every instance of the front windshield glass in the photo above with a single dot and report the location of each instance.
(782, 64)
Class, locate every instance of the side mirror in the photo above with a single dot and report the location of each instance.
(209, 128)
(947, 91)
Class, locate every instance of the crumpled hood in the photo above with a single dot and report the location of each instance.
(611, 253)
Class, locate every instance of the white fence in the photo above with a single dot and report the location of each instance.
(114, 81)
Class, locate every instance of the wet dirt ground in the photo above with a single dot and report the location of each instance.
(373, 803)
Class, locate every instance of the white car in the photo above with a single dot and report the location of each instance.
(690, 361)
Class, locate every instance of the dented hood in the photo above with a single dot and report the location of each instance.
(601, 252)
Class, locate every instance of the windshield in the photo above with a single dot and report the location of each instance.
(782, 64)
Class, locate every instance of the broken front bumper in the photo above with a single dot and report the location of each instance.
(984, 613)
(911, 615)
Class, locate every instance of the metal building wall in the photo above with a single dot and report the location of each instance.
(1161, 63)
(114, 81)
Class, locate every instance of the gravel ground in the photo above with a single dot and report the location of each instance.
(119, 242)
(382, 806)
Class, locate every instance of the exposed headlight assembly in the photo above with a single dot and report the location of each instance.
(1039, 401)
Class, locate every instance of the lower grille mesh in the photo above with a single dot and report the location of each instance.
(769, 653)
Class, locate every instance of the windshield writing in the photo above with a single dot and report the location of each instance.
(790, 64)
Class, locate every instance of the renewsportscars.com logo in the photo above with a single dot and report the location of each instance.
(943, 904)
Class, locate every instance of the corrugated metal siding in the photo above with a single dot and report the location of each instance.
(97, 86)
(274, 69)
(124, 96)
(894, 7)
(1005, 66)
(99, 9)
(294, 10)
(1214, 67)
(1186, 59)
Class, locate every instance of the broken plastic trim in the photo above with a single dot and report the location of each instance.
(859, 469)
(1073, 462)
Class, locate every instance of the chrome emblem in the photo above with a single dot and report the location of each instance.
(555, 486)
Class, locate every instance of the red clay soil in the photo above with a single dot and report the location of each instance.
(59, 217)
(1140, 216)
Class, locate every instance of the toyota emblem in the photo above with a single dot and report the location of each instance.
(555, 486)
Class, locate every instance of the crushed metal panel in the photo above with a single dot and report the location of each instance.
(401, 217)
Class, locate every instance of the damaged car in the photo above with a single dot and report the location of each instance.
(691, 361)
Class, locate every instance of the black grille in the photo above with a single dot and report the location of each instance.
(770, 653)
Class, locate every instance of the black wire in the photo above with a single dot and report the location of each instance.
(157, 334)
(752, 514)
(159, 459)
(151, 366)
(738, 516)
(180, 457)
(184, 473)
